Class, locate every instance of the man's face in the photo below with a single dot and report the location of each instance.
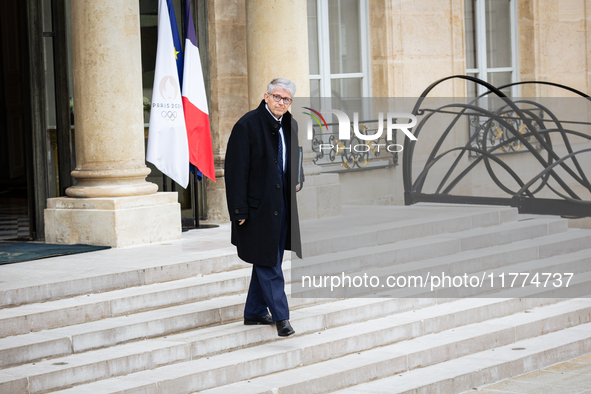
(278, 108)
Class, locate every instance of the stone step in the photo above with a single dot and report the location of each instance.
(123, 271)
(338, 341)
(471, 371)
(205, 256)
(338, 234)
(446, 243)
(444, 251)
(498, 268)
(93, 307)
(318, 362)
(112, 331)
(108, 332)
(205, 307)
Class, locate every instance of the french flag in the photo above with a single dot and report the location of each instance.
(195, 103)
(167, 142)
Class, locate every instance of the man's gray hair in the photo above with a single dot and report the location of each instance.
(281, 83)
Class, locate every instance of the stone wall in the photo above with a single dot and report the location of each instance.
(412, 44)
(229, 88)
(554, 45)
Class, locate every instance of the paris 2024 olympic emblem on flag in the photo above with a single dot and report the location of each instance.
(168, 147)
(169, 91)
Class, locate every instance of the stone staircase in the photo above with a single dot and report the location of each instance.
(170, 321)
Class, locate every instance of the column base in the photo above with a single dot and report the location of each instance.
(320, 197)
(115, 221)
(217, 208)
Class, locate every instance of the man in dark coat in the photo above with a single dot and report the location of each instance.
(260, 190)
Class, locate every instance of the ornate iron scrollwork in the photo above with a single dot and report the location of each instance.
(328, 148)
(491, 133)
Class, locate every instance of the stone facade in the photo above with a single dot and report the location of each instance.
(249, 46)
(412, 44)
(555, 44)
(229, 88)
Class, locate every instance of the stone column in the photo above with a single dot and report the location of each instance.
(106, 63)
(112, 203)
(277, 46)
(226, 29)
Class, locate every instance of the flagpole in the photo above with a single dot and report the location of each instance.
(184, 21)
(197, 115)
(192, 167)
(196, 195)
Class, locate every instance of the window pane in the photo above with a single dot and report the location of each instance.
(349, 87)
(471, 87)
(498, 33)
(313, 36)
(49, 82)
(345, 33)
(470, 20)
(149, 34)
(499, 79)
(314, 88)
(50, 108)
(47, 22)
(49, 71)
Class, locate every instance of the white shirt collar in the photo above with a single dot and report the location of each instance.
(282, 139)
(279, 120)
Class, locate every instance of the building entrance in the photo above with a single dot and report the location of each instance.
(35, 122)
(14, 202)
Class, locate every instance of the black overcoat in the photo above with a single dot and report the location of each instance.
(254, 190)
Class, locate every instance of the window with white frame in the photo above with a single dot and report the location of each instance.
(338, 48)
(491, 44)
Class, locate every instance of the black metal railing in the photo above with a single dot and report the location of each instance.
(514, 125)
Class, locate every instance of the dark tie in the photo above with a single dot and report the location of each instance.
(280, 155)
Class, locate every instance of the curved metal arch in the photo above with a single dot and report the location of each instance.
(557, 85)
(583, 179)
(538, 115)
(509, 127)
(491, 150)
(457, 161)
(423, 173)
(546, 170)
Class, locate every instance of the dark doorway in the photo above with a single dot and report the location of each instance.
(35, 129)
(14, 215)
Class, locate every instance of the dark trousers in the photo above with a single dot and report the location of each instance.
(267, 286)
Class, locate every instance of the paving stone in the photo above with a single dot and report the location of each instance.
(513, 386)
(572, 368)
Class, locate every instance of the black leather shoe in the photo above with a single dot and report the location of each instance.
(284, 329)
(258, 320)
